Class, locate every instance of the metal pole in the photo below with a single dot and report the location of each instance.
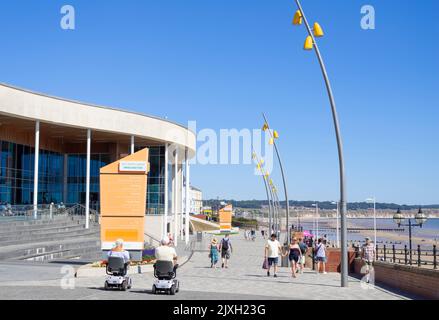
(36, 166)
(273, 203)
(344, 249)
(374, 219)
(176, 198)
(266, 183)
(87, 182)
(270, 210)
(338, 226)
(287, 205)
(132, 144)
(317, 212)
(186, 229)
(410, 240)
(166, 204)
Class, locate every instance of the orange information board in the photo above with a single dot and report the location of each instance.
(225, 218)
(123, 186)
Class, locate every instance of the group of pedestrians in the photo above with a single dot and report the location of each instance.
(296, 253)
(223, 248)
(250, 235)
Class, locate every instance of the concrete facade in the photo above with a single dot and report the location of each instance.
(65, 127)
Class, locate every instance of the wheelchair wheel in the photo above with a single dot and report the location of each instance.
(172, 291)
(177, 287)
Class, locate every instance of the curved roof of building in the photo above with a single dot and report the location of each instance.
(25, 104)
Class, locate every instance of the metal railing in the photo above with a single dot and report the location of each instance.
(44, 211)
(417, 257)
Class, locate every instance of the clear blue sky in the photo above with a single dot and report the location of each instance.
(223, 62)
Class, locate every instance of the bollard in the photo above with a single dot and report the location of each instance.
(434, 257)
(285, 262)
(405, 254)
(51, 211)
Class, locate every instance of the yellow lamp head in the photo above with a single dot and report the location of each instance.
(309, 45)
(267, 174)
(298, 19)
(318, 31)
(276, 134)
(271, 142)
(265, 127)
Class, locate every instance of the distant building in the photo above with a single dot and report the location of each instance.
(196, 196)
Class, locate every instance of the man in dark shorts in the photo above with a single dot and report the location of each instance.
(272, 251)
(226, 251)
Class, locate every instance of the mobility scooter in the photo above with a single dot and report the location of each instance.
(166, 274)
(117, 275)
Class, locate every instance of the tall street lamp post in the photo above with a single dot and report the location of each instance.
(275, 135)
(337, 227)
(311, 43)
(420, 218)
(259, 166)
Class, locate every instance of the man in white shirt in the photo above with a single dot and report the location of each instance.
(166, 253)
(272, 252)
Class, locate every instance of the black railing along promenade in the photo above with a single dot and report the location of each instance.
(420, 257)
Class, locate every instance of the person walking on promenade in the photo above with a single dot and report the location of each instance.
(253, 234)
(368, 255)
(213, 253)
(303, 250)
(226, 251)
(320, 250)
(272, 251)
(294, 255)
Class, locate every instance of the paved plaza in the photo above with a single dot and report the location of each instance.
(245, 279)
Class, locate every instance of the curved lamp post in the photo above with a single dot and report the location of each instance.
(259, 166)
(275, 135)
(311, 43)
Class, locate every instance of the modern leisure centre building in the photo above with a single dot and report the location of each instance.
(73, 141)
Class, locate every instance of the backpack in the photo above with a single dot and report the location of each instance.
(303, 248)
(225, 244)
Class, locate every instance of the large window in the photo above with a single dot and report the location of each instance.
(17, 175)
(155, 197)
(76, 177)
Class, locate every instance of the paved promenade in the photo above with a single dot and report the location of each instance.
(245, 279)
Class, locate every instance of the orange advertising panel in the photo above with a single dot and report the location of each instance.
(123, 195)
(131, 230)
(123, 187)
(225, 218)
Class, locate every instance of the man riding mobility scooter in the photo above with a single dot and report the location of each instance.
(117, 267)
(166, 274)
(165, 269)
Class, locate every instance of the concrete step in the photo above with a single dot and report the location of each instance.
(39, 223)
(65, 254)
(22, 251)
(49, 237)
(42, 220)
(43, 230)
